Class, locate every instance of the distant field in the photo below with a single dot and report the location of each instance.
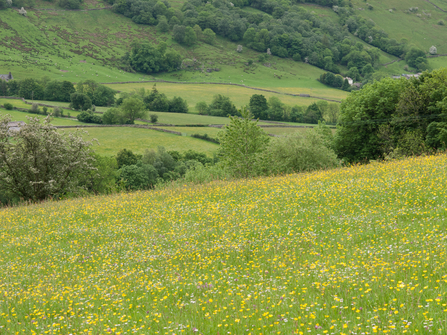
(419, 28)
(114, 139)
(187, 118)
(193, 93)
(23, 116)
(211, 131)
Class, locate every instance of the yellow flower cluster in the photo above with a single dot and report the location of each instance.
(359, 250)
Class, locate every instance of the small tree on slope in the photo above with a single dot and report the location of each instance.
(37, 161)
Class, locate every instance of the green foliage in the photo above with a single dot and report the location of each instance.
(70, 4)
(209, 36)
(146, 58)
(133, 108)
(39, 162)
(221, 106)
(313, 114)
(302, 151)
(102, 179)
(178, 105)
(416, 58)
(59, 91)
(361, 115)
(242, 146)
(100, 95)
(80, 101)
(202, 107)
(190, 36)
(30, 89)
(138, 177)
(8, 106)
(258, 106)
(153, 117)
(89, 117)
(126, 157)
(114, 116)
(437, 135)
(163, 25)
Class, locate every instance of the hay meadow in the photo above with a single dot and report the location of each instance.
(358, 250)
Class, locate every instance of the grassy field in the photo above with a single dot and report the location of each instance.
(240, 96)
(419, 28)
(357, 250)
(114, 139)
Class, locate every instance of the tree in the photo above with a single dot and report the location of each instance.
(415, 57)
(126, 157)
(113, 116)
(202, 107)
(31, 89)
(361, 115)
(178, 33)
(133, 108)
(163, 25)
(80, 101)
(222, 106)
(258, 106)
(190, 36)
(139, 176)
(209, 36)
(39, 162)
(242, 145)
(178, 105)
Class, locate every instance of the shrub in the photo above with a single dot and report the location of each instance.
(89, 117)
(139, 176)
(51, 166)
(301, 152)
(8, 106)
(441, 22)
(154, 117)
(34, 108)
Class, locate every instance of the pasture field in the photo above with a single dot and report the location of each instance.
(240, 96)
(419, 28)
(113, 139)
(359, 250)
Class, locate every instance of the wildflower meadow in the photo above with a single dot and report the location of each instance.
(358, 250)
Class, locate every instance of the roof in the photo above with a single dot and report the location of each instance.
(6, 77)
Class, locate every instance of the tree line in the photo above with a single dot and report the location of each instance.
(394, 117)
(82, 95)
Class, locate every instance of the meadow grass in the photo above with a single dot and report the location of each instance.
(421, 31)
(113, 139)
(240, 96)
(359, 250)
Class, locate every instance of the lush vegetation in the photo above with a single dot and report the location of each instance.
(247, 256)
(394, 117)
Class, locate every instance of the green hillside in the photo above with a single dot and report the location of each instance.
(331, 252)
(79, 45)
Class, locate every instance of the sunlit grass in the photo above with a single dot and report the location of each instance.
(358, 250)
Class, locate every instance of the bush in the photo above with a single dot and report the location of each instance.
(154, 118)
(34, 109)
(301, 152)
(138, 177)
(89, 117)
(57, 111)
(52, 166)
(8, 106)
